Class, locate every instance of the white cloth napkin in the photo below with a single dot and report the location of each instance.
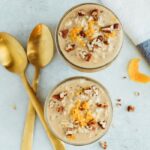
(135, 17)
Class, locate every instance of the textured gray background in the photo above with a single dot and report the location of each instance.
(129, 131)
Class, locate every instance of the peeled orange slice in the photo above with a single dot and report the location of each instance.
(135, 74)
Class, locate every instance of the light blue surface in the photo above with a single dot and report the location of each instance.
(129, 131)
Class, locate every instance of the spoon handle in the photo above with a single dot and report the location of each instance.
(27, 139)
(57, 144)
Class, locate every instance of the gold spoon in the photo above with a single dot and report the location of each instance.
(40, 49)
(13, 58)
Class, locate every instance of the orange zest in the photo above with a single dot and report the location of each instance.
(135, 74)
(81, 113)
(90, 31)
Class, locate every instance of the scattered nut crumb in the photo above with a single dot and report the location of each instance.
(136, 93)
(124, 77)
(14, 107)
(130, 108)
(103, 144)
(119, 100)
(118, 103)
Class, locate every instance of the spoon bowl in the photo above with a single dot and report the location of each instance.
(40, 46)
(13, 56)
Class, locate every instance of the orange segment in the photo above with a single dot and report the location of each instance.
(135, 74)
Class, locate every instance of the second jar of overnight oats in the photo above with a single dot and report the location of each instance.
(89, 37)
(78, 111)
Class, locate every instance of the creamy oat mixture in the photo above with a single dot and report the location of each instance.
(79, 111)
(90, 36)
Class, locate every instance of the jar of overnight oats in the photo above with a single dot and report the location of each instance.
(78, 111)
(89, 37)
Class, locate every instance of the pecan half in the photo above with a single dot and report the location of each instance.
(70, 47)
(102, 124)
(94, 14)
(81, 13)
(64, 33)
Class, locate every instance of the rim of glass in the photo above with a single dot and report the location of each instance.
(47, 101)
(58, 45)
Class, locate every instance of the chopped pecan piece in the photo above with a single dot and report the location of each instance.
(85, 55)
(92, 124)
(64, 33)
(94, 14)
(63, 94)
(57, 96)
(60, 109)
(88, 57)
(116, 26)
(95, 90)
(101, 105)
(81, 13)
(110, 28)
(100, 37)
(88, 90)
(130, 108)
(70, 47)
(60, 96)
(106, 42)
(82, 34)
(95, 43)
(107, 29)
(102, 124)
